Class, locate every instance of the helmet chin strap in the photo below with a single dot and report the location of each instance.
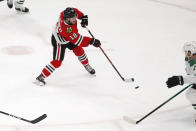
(67, 22)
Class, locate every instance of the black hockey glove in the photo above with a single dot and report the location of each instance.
(95, 42)
(194, 86)
(84, 21)
(174, 81)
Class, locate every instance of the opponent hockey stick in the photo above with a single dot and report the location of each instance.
(125, 80)
(30, 121)
(128, 119)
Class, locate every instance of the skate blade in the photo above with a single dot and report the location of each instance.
(21, 12)
(38, 83)
(92, 75)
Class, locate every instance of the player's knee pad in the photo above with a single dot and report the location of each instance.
(56, 63)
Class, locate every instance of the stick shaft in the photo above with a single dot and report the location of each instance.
(163, 103)
(13, 116)
(107, 57)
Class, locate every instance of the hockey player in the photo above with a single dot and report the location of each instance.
(190, 62)
(18, 5)
(65, 35)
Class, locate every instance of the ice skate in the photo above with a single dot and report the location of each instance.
(89, 69)
(22, 9)
(10, 3)
(40, 81)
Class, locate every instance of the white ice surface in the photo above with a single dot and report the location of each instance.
(144, 40)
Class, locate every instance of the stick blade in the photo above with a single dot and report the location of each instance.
(129, 120)
(129, 80)
(39, 119)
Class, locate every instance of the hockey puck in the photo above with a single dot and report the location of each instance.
(136, 87)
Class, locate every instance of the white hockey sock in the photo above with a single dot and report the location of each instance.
(19, 4)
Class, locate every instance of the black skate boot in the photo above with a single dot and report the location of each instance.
(10, 3)
(22, 9)
(89, 69)
(40, 81)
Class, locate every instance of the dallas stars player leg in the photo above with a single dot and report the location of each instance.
(10, 3)
(18, 5)
(190, 61)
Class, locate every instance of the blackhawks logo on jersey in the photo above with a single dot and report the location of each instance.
(69, 29)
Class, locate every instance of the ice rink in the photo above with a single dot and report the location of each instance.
(144, 40)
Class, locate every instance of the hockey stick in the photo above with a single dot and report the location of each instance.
(125, 80)
(128, 119)
(30, 121)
